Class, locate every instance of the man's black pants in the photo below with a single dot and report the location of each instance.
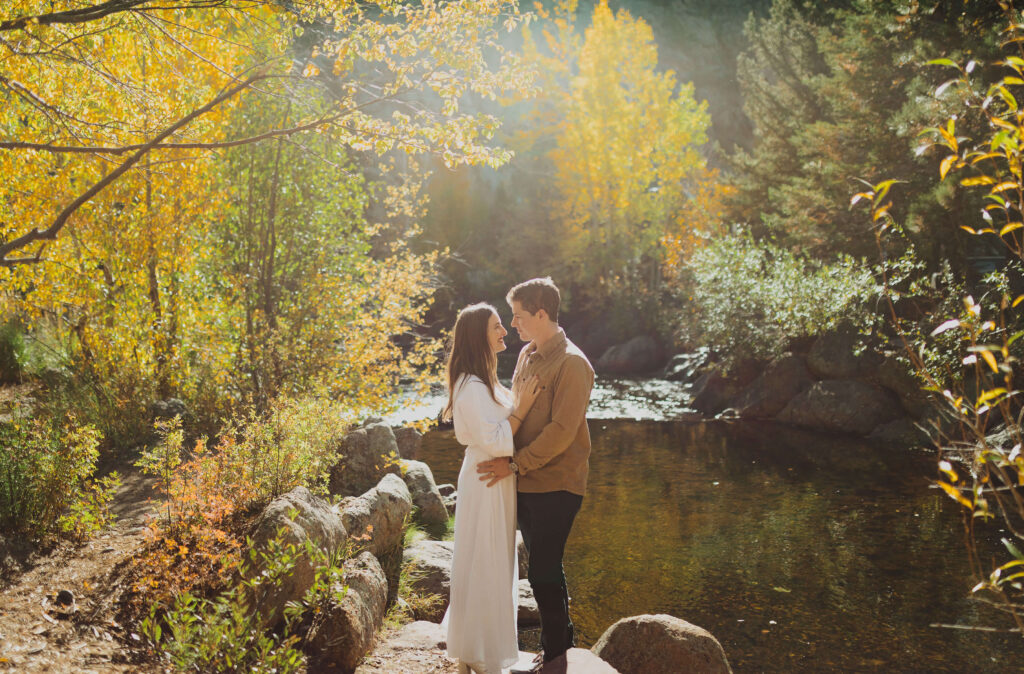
(545, 520)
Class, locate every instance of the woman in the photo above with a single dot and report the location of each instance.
(481, 619)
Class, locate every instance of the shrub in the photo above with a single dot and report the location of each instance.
(44, 472)
(257, 458)
(90, 512)
(226, 634)
(212, 492)
(750, 298)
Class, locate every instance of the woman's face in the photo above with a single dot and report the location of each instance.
(496, 334)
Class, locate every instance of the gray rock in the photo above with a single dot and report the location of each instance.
(450, 502)
(712, 393)
(409, 441)
(293, 519)
(901, 433)
(639, 355)
(367, 454)
(419, 635)
(895, 376)
(430, 509)
(832, 357)
(430, 569)
(684, 366)
(168, 408)
(661, 644)
(775, 387)
(529, 614)
(345, 631)
(842, 406)
(376, 520)
(572, 661)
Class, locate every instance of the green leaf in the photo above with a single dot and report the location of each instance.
(1013, 548)
(943, 62)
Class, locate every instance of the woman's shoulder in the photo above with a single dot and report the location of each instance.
(467, 382)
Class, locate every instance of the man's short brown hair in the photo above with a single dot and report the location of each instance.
(537, 294)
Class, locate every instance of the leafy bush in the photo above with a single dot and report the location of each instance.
(226, 634)
(90, 512)
(750, 298)
(44, 472)
(211, 492)
(981, 464)
(116, 405)
(257, 458)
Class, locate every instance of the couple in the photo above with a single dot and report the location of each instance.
(527, 455)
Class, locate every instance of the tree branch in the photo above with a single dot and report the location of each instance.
(50, 232)
(95, 12)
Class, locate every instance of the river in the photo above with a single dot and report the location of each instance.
(800, 552)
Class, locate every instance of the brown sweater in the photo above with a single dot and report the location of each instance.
(553, 442)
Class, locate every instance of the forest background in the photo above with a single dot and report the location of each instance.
(271, 211)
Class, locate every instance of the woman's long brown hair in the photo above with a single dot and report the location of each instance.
(471, 352)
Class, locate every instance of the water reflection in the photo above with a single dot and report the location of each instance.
(799, 552)
(640, 399)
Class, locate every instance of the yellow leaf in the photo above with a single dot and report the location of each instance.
(991, 360)
(1013, 226)
(978, 180)
(955, 493)
(947, 163)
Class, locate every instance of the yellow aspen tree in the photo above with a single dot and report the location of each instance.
(629, 175)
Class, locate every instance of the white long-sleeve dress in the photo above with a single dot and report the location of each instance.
(481, 618)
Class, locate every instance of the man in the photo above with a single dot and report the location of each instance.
(552, 450)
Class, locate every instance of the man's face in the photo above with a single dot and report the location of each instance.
(525, 323)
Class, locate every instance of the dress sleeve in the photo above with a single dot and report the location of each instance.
(482, 423)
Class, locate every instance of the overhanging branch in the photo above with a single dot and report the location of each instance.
(51, 232)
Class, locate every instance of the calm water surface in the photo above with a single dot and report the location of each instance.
(799, 552)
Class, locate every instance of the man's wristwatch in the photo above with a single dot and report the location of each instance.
(513, 466)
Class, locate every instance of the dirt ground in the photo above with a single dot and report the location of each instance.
(38, 634)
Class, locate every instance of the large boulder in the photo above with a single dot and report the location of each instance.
(896, 377)
(376, 520)
(661, 644)
(343, 633)
(416, 647)
(900, 434)
(712, 393)
(834, 356)
(842, 406)
(292, 520)
(367, 454)
(639, 355)
(430, 510)
(430, 572)
(775, 387)
(409, 441)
